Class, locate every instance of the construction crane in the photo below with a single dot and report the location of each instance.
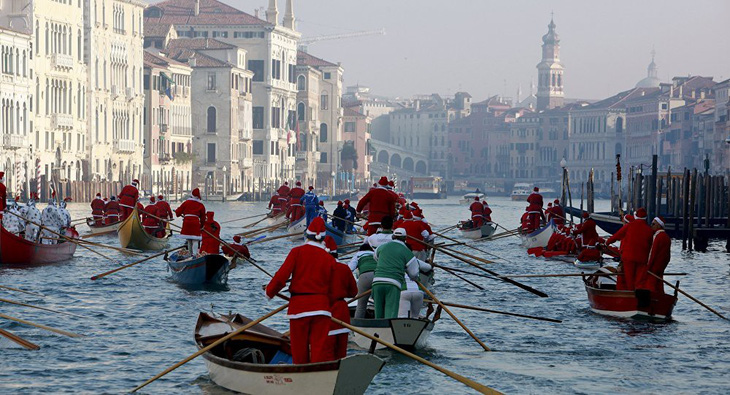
(304, 42)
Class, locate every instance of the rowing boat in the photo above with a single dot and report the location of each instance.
(16, 250)
(277, 219)
(98, 230)
(588, 265)
(298, 226)
(624, 304)
(258, 361)
(132, 235)
(408, 333)
(485, 230)
(209, 269)
(538, 238)
(340, 237)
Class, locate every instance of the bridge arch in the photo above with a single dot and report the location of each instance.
(408, 163)
(395, 160)
(383, 157)
(421, 167)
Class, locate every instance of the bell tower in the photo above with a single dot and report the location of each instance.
(550, 72)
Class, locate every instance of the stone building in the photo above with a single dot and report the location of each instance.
(113, 52)
(16, 110)
(168, 134)
(356, 132)
(222, 114)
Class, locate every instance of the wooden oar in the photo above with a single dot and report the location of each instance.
(451, 272)
(98, 276)
(262, 230)
(465, 271)
(446, 309)
(80, 220)
(579, 275)
(487, 261)
(463, 306)
(262, 219)
(276, 238)
(689, 296)
(469, 382)
(69, 239)
(120, 249)
(39, 308)
(48, 328)
(448, 228)
(19, 340)
(474, 264)
(212, 345)
(241, 219)
(23, 291)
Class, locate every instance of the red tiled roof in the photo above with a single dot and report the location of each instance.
(351, 112)
(198, 43)
(156, 30)
(212, 12)
(158, 60)
(201, 59)
(305, 59)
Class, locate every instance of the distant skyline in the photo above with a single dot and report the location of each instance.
(491, 47)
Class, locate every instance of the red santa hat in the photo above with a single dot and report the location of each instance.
(299, 183)
(550, 204)
(640, 213)
(17, 198)
(417, 213)
(536, 189)
(330, 244)
(67, 199)
(407, 215)
(196, 193)
(105, 199)
(660, 221)
(585, 214)
(476, 198)
(556, 201)
(414, 204)
(321, 203)
(152, 199)
(375, 185)
(237, 238)
(339, 202)
(209, 215)
(135, 182)
(160, 197)
(383, 181)
(628, 218)
(484, 202)
(317, 229)
(347, 201)
(98, 195)
(391, 183)
(311, 188)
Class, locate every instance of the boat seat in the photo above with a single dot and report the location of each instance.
(253, 355)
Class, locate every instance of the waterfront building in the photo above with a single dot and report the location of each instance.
(356, 140)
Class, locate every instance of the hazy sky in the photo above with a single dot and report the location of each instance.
(475, 45)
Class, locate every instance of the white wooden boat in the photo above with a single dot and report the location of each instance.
(538, 238)
(408, 333)
(485, 230)
(98, 230)
(276, 220)
(469, 198)
(297, 226)
(258, 361)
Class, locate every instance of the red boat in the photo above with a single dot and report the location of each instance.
(624, 304)
(15, 250)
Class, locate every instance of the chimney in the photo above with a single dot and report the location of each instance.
(192, 62)
(196, 11)
(272, 14)
(289, 19)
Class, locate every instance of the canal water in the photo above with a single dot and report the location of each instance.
(137, 322)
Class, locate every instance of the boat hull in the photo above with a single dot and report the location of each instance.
(101, 230)
(590, 265)
(408, 333)
(624, 304)
(207, 269)
(276, 220)
(538, 238)
(299, 226)
(132, 235)
(340, 238)
(486, 230)
(15, 250)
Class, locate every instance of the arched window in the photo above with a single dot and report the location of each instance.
(323, 133)
(211, 119)
(301, 112)
(619, 125)
(301, 83)
(324, 101)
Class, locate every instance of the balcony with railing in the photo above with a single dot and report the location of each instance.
(124, 145)
(62, 121)
(62, 61)
(245, 134)
(164, 158)
(14, 141)
(163, 128)
(301, 156)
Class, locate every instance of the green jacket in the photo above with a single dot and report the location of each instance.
(393, 260)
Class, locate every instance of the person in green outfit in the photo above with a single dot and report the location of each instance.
(395, 260)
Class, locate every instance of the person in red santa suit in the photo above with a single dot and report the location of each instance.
(487, 211)
(589, 252)
(236, 247)
(343, 286)
(557, 213)
(275, 204)
(477, 213)
(659, 257)
(636, 237)
(193, 213)
(549, 212)
(97, 210)
(128, 199)
(284, 190)
(295, 210)
(163, 208)
(151, 224)
(525, 221)
(310, 268)
(111, 211)
(418, 233)
(211, 235)
(535, 208)
(382, 203)
(3, 194)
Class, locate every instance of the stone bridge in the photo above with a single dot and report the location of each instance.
(389, 160)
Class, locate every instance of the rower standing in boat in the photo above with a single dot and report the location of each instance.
(557, 213)
(351, 216)
(477, 213)
(65, 215)
(381, 203)
(295, 210)
(211, 236)
(13, 223)
(163, 209)
(111, 211)
(193, 213)
(310, 201)
(659, 258)
(3, 194)
(128, 198)
(51, 221)
(339, 216)
(418, 234)
(487, 211)
(31, 213)
(151, 224)
(284, 190)
(275, 204)
(343, 286)
(535, 208)
(310, 268)
(636, 237)
(322, 211)
(97, 210)
(365, 265)
(395, 260)
(589, 240)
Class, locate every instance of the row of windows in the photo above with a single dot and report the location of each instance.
(13, 61)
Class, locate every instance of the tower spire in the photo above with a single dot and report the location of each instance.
(550, 71)
(272, 13)
(289, 15)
